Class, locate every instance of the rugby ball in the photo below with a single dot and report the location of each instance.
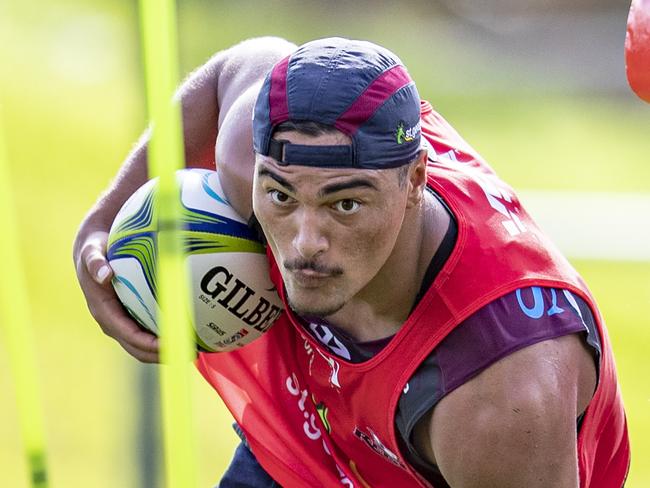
(231, 294)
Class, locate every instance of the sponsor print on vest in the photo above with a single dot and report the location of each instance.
(333, 364)
(498, 196)
(371, 440)
(329, 340)
(538, 307)
(311, 430)
(500, 200)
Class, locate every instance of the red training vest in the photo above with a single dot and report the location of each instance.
(314, 419)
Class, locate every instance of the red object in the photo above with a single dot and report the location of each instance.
(373, 97)
(280, 387)
(637, 48)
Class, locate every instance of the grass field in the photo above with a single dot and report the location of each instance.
(72, 112)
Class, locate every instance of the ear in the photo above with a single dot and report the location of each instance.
(417, 180)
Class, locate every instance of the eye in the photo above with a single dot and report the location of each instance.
(347, 206)
(280, 198)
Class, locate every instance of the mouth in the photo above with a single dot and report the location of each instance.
(309, 274)
(307, 278)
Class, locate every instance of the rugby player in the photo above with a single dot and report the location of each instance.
(433, 335)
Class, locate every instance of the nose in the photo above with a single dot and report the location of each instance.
(309, 239)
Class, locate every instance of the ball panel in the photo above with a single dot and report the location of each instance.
(205, 242)
(142, 249)
(202, 191)
(232, 297)
(133, 290)
(137, 214)
(202, 221)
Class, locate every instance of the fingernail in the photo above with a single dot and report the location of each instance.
(103, 273)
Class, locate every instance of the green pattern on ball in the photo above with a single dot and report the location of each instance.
(144, 220)
(190, 216)
(142, 248)
(204, 243)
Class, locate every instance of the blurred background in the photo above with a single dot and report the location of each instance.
(537, 86)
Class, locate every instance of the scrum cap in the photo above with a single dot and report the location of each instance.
(361, 89)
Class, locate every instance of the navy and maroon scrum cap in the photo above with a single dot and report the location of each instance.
(359, 88)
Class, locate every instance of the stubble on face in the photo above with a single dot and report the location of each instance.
(323, 301)
(313, 310)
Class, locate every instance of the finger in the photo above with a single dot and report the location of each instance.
(100, 270)
(140, 355)
(113, 318)
(115, 322)
(97, 264)
(94, 273)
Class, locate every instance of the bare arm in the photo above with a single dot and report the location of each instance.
(209, 97)
(515, 423)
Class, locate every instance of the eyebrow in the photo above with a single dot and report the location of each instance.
(263, 171)
(326, 190)
(346, 185)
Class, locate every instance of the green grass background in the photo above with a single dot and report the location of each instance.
(73, 104)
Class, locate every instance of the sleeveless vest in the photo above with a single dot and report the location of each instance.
(314, 419)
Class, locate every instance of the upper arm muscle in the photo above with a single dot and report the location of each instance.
(515, 423)
(218, 100)
(244, 67)
(246, 64)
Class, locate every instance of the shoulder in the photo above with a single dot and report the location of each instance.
(246, 64)
(515, 422)
(513, 382)
(516, 320)
(241, 69)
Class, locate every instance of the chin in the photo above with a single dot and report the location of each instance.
(314, 307)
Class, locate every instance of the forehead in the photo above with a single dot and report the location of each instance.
(315, 177)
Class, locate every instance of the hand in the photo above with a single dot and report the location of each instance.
(94, 275)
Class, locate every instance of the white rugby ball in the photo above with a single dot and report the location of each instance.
(233, 299)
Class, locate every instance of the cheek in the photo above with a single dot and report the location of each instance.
(373, 243)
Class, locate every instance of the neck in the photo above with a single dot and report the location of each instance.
(380, 308)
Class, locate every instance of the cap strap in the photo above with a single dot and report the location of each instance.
(286, 153)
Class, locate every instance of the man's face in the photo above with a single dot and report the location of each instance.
(331, 230)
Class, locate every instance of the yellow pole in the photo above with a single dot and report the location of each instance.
(15, 317)
(159, 36)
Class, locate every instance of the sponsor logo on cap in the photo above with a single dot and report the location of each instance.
(406, 135)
